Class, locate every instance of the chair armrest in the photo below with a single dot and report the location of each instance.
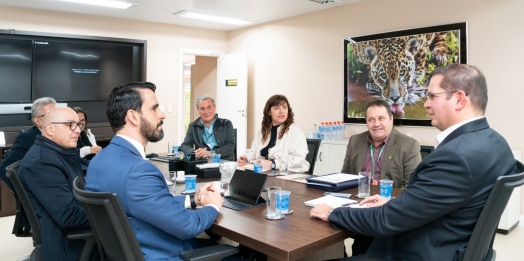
(85, 234)
(209, 253)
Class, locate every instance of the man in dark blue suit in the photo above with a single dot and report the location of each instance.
(163, 224)
(47, 173)
(25, 140)
(434, 217)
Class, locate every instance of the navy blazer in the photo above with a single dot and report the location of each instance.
(162, 224)
(47, 173)
(22, 144)
(435, 215)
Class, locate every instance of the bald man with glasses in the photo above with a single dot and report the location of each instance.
(47, 173)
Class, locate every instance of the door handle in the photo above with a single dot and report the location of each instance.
(320, 156)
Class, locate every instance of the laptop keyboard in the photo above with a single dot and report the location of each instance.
(236, 205)
(162, 158)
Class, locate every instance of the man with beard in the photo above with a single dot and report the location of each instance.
(163, 223)
(47, 173)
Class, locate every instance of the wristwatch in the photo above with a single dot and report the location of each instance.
(273, 164)
(192, 201)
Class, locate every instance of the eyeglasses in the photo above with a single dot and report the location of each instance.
(432, 96)
(72, 124)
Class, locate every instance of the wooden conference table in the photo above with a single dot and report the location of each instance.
(296, 237)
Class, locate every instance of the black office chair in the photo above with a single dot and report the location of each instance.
(117, 238)
(313, 146)
(236, 144)
(425, 150)
(481, 242)
(36, 231)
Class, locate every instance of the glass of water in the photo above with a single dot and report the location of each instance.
(283, 166)
(227, 169)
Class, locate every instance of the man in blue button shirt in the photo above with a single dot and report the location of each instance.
(209, 133)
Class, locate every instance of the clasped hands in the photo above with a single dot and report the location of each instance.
(321, 211)
(202, 153)
(208, 194)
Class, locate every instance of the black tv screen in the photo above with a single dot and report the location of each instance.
(15, 70)
(82, 71)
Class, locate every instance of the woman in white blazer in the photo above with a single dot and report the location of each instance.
(279, 139)
(86, 142)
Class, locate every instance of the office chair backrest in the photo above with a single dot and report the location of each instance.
(425, 150)
(236, 143)
(479, 245)
(313, 146)
(109, 220)
(11, 172)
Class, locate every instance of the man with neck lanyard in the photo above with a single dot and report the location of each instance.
(382, 151)
(209, 133)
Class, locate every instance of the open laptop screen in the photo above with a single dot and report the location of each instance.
(246, 186)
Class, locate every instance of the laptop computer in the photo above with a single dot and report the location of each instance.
(244, 190)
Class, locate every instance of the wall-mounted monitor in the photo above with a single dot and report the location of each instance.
(15, 70)
(73, 71)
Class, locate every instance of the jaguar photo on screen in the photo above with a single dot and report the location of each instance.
(395, 67)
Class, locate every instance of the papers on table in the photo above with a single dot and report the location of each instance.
(335, 178)
(249, 167)
(208, 165)
(332, 201)
(301, 178)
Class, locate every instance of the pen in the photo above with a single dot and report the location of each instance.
(347, 204)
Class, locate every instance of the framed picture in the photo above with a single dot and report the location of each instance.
(395, 66)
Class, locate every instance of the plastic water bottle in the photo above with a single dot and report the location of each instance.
(339, 130)
(343, 131)
(320, 134)
(329, 131)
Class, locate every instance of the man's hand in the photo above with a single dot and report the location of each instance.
(202, 191)
(202, 153)
(321, 211)
(242, 160)
(211, 197)
(374, 201)
(95, 149)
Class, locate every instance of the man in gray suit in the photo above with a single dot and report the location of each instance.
(382, 150)
(435, 215)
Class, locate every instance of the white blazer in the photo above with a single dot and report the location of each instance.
(292, 147)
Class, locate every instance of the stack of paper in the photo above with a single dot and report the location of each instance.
(332, 201)
(208, 165)
(300, 178)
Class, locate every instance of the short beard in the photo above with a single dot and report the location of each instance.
(149, 132)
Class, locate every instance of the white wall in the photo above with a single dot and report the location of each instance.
(302, 58)
(163, 44)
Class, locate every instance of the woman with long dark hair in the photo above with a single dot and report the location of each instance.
(279, 140)
(86, 142)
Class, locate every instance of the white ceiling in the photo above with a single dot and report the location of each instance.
(161, 11)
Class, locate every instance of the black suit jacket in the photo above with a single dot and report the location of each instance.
(23, 142)
(434, 217)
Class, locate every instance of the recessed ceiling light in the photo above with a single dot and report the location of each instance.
(214, 18)
(105, 3)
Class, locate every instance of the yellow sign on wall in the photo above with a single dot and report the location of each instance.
(231, 82)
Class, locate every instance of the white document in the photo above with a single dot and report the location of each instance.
(208, 165)
(332, 201)
(335, 178)
(300, 178)
(2, 138)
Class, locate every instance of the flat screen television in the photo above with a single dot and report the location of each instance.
(15, 70)
(73, 69)
(81, 71)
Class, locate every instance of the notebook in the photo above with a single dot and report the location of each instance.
(244, 190)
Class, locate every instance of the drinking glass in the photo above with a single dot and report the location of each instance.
(272, 207)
